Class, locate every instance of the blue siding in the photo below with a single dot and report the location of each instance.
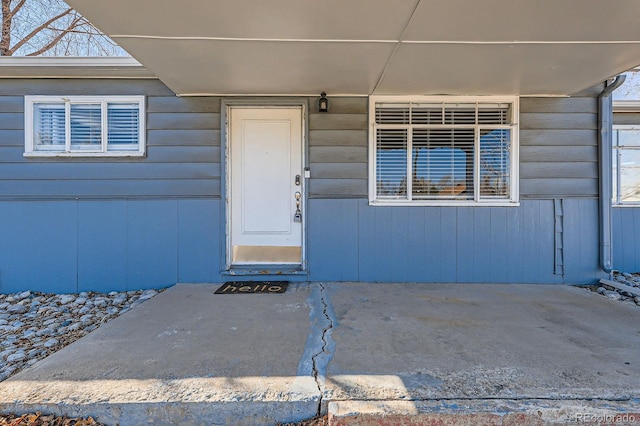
(102, 245)
(333, 229)
(38, 246)
(626, 239)
(448, 244)
(514, 263)
(152, 243)
(70, 246)
(200, 242)
(581, 240)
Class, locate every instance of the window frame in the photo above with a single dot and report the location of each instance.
(511, 201)
(622, 106)
(31, 150)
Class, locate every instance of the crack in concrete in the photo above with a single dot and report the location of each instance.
(320, 360)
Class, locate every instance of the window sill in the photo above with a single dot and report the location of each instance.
(626, 206)
(379, 203)
(53, 154)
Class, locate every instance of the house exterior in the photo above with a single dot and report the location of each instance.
(214, 159)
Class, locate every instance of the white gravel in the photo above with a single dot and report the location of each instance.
(34, 325)
(632, 280)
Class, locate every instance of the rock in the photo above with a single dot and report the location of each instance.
(23, 295)
(28, 334)
(34, 352)
(51, 343)
(17, 309)
(17, 324)
(148, 294)
(66, 298)
(100, 302)
(4, 354)
(613, 295)
(18, 356)
(4, 322)
(601, 290)
(10, 370)
(80, 301)
(113, 293)
(120, 300)
(75, 326)
(45, 332)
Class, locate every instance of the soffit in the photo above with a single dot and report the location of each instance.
(363, 47)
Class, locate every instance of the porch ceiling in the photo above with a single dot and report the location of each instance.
(363, 47)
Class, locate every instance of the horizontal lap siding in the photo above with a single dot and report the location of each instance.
(558, 147)
(338, 149)
(183, 147)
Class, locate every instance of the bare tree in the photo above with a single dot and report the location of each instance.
(50, 28)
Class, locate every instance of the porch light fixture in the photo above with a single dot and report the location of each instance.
(323, 103)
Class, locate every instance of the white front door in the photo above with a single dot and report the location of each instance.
(265, 182)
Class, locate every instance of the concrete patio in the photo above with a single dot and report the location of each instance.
(481, 353)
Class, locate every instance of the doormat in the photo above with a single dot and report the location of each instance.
(244, 287)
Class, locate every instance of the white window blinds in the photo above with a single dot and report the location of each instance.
(443, 151)
(84, 125)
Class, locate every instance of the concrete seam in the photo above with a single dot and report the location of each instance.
(324, 350)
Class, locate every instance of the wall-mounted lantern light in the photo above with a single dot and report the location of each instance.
(323, 103)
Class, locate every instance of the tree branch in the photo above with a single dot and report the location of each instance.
(42, 27)
(18, 6)
(56, 39)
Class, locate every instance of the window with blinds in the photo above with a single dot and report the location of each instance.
(84, 126)
(430, 151)
(626, 165)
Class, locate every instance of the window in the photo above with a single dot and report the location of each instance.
(626, 165)
(84, 126)
(443, 151)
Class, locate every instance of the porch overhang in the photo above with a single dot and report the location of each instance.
(382, 47)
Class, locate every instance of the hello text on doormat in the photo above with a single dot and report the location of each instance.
(244, 287)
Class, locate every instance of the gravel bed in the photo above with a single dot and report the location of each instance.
(632, 280)
(33, 325)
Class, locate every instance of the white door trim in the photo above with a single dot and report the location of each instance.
(227, 106)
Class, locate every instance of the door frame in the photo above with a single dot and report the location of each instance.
(225, 166)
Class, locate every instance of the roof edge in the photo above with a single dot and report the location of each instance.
(72, 67)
